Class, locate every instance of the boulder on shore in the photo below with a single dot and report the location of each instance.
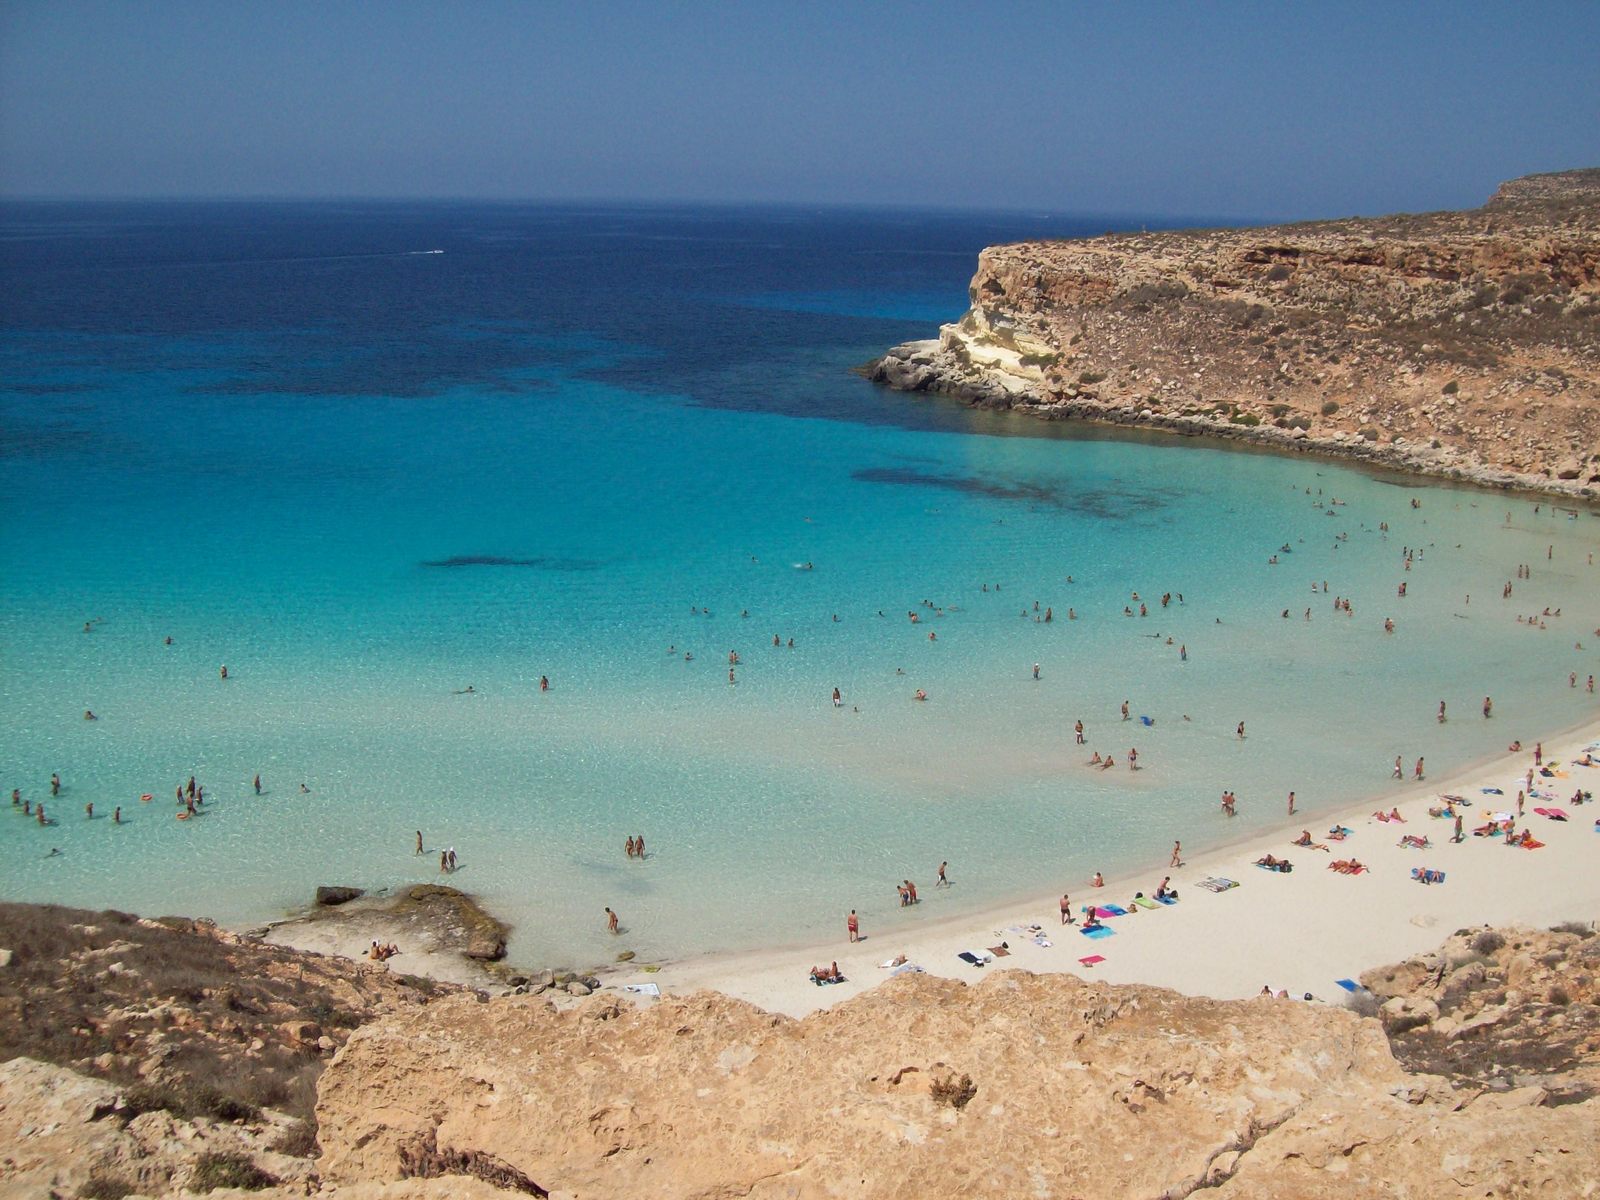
(330, 895)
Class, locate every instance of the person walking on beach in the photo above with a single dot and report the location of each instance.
(1036, 671)
(611, 920)
(1459, 837)
(638, 844)
(837, 698)
(1441, 712)
(628, 847)
(1078, 729)
(1417, 775)
(852, 925)
(444, 863)
(1399, 768)
(1291, 804)
(1177, 855)
(1124, 710)
(1133, 758)
(1488, 707)
(1066, 909)
(942, 881)
(1240, 731)
(419, 841)
(257, 784)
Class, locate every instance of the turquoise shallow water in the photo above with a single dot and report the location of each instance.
(175, 469)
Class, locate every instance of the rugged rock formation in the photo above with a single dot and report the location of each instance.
(1463, 344)
(197, 1017)
(1021, 1086)
(1503, 1010)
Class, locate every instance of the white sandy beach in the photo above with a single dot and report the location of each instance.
(1299, 931)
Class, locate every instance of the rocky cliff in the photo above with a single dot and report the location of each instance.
(1020, 1086)
(1463, 344)
(1479, 1077)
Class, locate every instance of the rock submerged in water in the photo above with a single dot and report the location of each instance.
(332, 895)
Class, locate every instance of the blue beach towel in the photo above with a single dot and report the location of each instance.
(1167, 900)
(1116, 910)
(1349, 985)
(1146, 721)
(1099, 931)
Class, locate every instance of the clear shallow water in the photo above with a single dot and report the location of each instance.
(254, 429)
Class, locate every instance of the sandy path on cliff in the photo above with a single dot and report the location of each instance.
(1299, 931)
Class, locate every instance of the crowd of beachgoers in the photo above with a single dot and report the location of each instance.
(1551, 793)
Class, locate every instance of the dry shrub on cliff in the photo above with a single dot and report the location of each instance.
(953, 1090)
(103, 1186)
(215, 1171)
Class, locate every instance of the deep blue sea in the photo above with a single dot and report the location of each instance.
(368, 456)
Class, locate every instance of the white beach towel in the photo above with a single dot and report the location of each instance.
(643, 989)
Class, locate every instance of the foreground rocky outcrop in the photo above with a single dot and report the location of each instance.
(1461, 344)
(1493, 1009)
(194, 1015)
(1021, 1086)
(1479, 1078)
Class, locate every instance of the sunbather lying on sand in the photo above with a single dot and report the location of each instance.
(1347, 866)
(1273, 863)
(828, 974)
(1415, 842)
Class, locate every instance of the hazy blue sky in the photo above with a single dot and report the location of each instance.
(1272, 109)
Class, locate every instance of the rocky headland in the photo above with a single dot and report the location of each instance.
(152, 1058)
(1459, 344)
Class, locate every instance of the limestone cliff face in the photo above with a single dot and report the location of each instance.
(1456, 343)
(1479, 1078)
(1019, 1086)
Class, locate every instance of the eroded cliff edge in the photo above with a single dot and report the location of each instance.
(1460, 344)
(132, 1049)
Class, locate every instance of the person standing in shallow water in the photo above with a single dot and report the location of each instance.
(419, 837)
(852, 925)
(611, 921)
